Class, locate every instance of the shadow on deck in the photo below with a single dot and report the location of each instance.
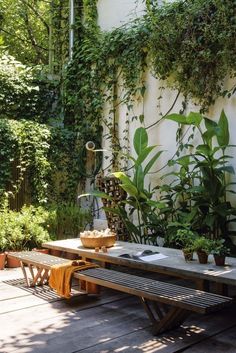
(37, 320)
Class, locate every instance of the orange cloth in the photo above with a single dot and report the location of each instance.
(61, 275)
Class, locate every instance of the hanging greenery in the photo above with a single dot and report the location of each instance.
(26, 93)
(189, 44)
(192, 45)
(24, 143)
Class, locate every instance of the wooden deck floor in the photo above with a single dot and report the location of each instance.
(38, 321)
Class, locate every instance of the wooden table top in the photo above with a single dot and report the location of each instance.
(173, 264)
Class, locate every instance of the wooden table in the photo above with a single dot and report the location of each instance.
(174, 264)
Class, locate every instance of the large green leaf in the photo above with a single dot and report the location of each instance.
(143, 154)
(210, 124)
(178, 118)
(194, 118)
(184, 161)
(203, 149)
(139, 178)
(122, 177)
(223, 133)
(151, 162)
(140, 140)
(191, 119)
(130, 189)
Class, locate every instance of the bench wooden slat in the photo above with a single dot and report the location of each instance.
(170, 288)
(194, 300)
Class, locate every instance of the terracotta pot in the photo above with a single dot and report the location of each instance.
(2, 260)
(43, 251)
(202, 257)
(11, 262)
(219, 260)
(55, 252)
(70, 256)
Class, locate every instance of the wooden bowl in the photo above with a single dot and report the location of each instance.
(97, 242)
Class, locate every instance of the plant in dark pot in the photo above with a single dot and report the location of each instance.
(219, 251)
(184, 239)
(202, 246)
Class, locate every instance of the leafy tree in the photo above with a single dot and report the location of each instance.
(24, 27)
(25, 93)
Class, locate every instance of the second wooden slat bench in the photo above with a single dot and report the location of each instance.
(170, 304)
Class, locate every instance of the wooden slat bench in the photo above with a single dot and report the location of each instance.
(39, 265)
(166, 304)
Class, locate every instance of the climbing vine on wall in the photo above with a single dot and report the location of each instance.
(25, 143)
(190, 44)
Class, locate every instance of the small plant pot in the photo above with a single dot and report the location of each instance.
(188, 255)
(2, 260)
(219, 260)
(55, 252)
(202, 257)
(12, 263)
(70, 256)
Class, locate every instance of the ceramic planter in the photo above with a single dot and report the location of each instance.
(11, 262)
(55, 252)
(202, 257)
(2, 260)
(219, 260)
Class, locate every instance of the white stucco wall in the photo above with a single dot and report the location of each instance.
(113, 13)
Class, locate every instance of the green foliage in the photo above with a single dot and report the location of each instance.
(65, 157)
(184, 238)
(25, 229)
(202, 244)
(25, 29)
(191, 44)
(67, 220)
(25, 92)
(218, 248)
(26, 144)
(201, 185)
(146, 224)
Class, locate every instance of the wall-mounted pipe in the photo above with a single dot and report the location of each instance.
(71, 27)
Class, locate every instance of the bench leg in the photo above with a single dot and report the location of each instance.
(25, 273)
(167, 319)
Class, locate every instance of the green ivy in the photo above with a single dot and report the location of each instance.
(192, 45)
(25, 144)
(189, 44)
(25, 92)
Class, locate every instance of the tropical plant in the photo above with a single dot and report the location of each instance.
(139, 211)
(201, 184)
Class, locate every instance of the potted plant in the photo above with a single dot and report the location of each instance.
(219, 251)
(184, 239)
(202, 246)
(2, 251)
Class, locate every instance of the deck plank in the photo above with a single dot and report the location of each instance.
(114, 323)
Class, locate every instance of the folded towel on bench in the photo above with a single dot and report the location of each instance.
(61, 276)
